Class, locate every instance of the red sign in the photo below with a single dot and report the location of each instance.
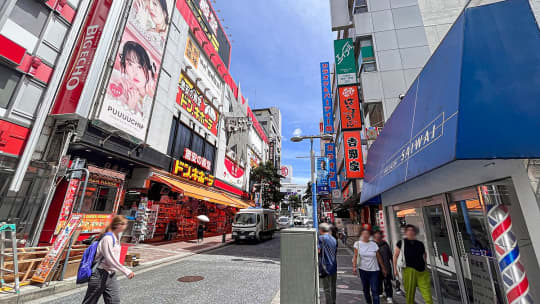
(67, 206)
(349, 106)
(82, 58)
(233, 169)
(284, 171)
(11, 51)
(353, 154)
(194, 174)
(194, 102)
(12, 138)
(196, 159)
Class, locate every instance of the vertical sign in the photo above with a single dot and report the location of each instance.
(354, 164)
(330, 153)
(132, 84)
(349, 108)
(76, 72)
(48, 264)
(328, 119)
(322, 175)
(67, 206)
(345, 62)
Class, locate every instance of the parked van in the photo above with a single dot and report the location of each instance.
(254, 224)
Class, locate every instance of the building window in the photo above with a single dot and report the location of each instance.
(360, 6)
(209, 153)
(26, 22)
(172, 137)
(8, 83)
(198, 144)
(182, 140)
(28, 98)
(368, 54)
(53, 40)
(375, 114)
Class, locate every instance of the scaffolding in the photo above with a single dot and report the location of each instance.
(8, 228)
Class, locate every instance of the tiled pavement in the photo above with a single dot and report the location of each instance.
(153, 252)
(349, 287)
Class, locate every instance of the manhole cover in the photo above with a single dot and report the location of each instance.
(190, 279)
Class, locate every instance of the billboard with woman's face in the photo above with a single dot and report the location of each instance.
(132, 84)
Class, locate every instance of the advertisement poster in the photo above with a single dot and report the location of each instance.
(354, 163)
(48, 264)
(322, 175)
(194, 102)
(232, 173)
(94, 223)
(202, 68)
(330, 153)
(349, 107)
(210, 25)
(67, 206)
(326, 86)
(131, 88)
(345, 62)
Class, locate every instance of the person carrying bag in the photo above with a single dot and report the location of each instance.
(328, 263)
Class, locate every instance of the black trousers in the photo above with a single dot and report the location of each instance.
(102, 283)
(387, 282)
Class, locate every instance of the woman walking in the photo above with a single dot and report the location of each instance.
(200, 233)
(103, 279)
(413, 270)
(367, 260)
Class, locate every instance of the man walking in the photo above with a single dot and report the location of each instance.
(327, 262)
(386, 257)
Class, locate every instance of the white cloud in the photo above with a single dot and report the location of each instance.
(297, 132)
(301, 180)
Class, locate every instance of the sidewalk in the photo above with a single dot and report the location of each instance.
(152, 255)
(349, 286)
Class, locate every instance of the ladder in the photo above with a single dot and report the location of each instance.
(10, 228)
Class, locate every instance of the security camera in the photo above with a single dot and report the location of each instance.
(401, 96)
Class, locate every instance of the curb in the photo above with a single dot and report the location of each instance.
(31, 292)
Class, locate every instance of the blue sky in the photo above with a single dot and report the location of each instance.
(276, 50)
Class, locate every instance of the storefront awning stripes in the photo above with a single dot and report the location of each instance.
(197, 192)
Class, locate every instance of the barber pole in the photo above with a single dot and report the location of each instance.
(516, 284)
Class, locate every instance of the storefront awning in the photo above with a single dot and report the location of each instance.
(239, 202)
(476, 98)
(197, 192)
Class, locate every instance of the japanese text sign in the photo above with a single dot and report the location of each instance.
(322, 175)
(349, 107)
(185, 170)
(330, 153)
(328, 118)
(354, 164)
(196, 159)
(193, 101)
(345, 62)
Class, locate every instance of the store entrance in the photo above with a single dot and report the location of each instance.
(430, 217)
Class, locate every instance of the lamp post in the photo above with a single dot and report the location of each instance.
(313, 183)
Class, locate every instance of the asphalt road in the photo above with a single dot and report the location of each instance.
(238, 273)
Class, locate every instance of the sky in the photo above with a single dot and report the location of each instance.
(277, 46)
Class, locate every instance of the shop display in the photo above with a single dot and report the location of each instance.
(144, 226)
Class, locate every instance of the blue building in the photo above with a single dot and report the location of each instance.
(460, 158)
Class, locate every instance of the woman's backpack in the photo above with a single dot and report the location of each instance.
(88, 264)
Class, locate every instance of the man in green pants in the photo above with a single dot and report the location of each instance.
(415, 273)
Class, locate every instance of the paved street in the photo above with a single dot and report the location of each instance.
(238, 273)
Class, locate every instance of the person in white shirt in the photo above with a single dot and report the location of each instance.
(103, 280)
(367, 262)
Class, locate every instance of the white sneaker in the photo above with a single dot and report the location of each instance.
(389, 300)
(398, 292)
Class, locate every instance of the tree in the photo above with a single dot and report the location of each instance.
(295, 201)
(267, 175)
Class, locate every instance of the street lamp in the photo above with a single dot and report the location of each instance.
(312, 156)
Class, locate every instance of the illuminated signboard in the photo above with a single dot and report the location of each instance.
(349, 106)
(328, 118)
(185, 170)
(194, 102)
(354, 164)
(330, 153)
(196, 159)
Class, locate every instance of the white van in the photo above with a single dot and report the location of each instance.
(254, 224)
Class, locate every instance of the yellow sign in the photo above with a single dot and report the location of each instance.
(192, 52)
(194, 174)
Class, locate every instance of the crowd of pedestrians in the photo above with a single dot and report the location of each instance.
(381, 268)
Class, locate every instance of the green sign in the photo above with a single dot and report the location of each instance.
(345, 63)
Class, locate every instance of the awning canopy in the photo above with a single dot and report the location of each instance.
(244, 204)
(198, 192)
(476, 98)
